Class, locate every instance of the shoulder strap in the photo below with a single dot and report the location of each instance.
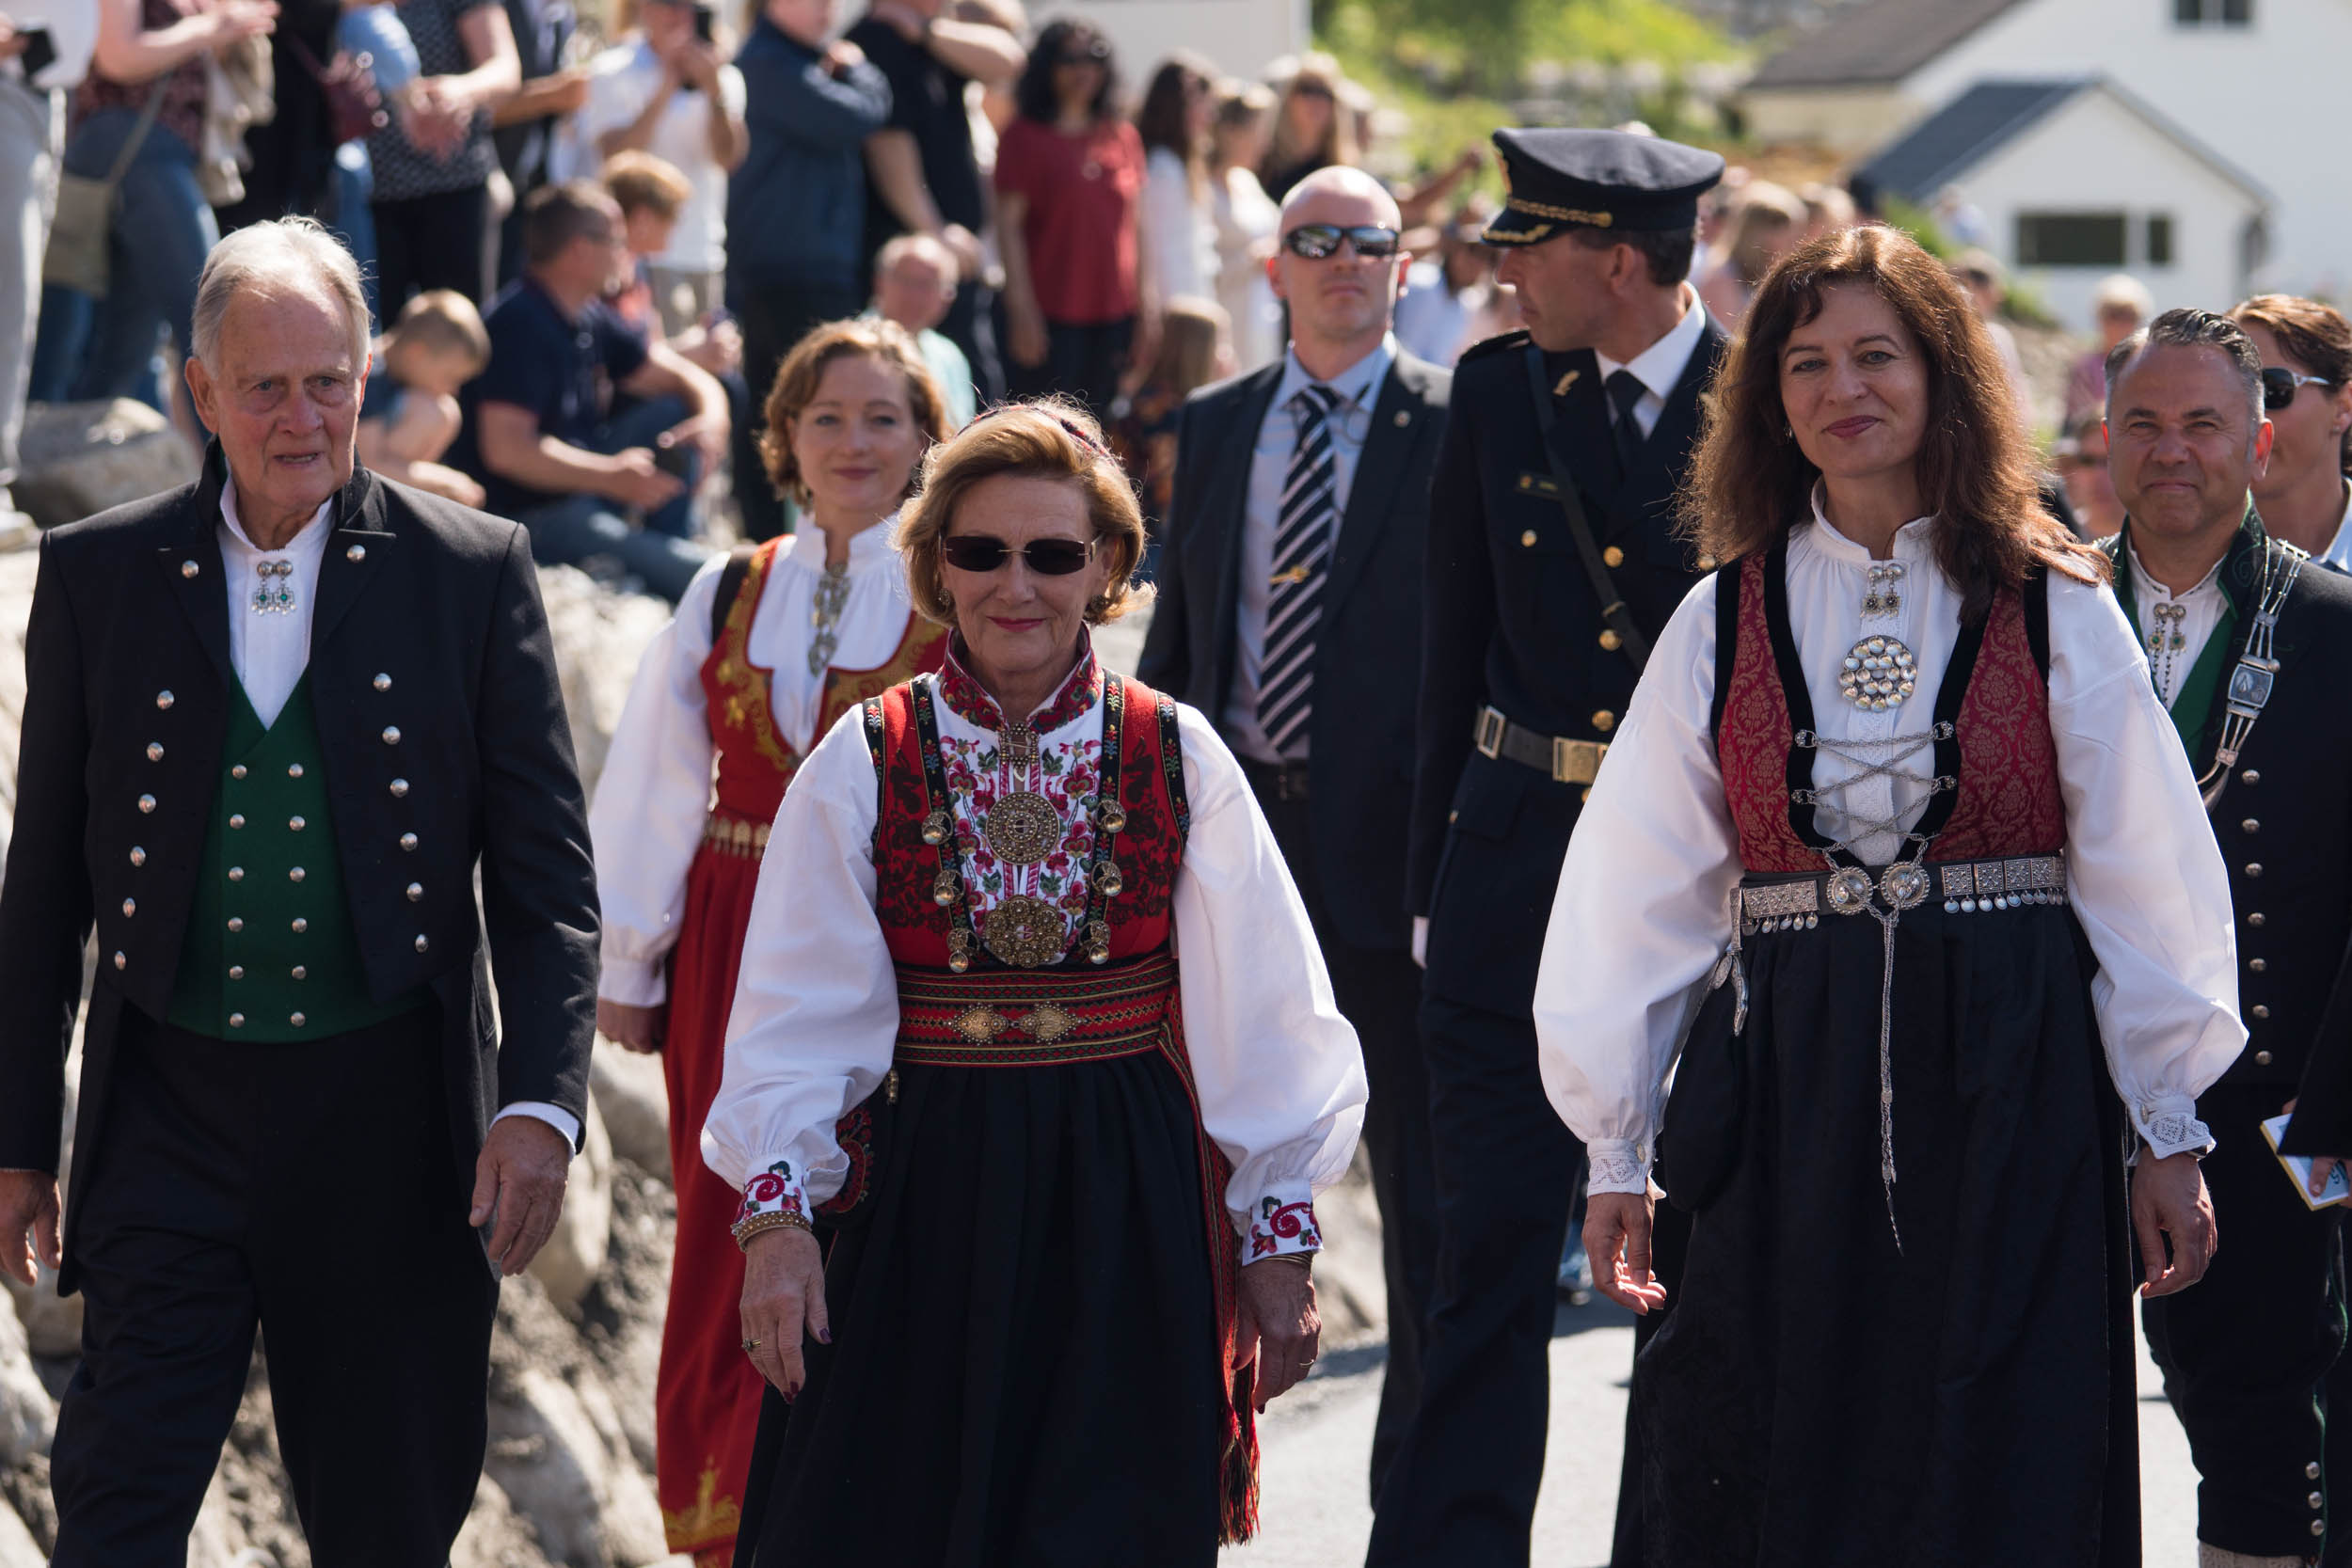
(153, 107)
(731, 578)
(1614, 612)
(1172, 767)
(877, 747)
(2037, 598)
(1729, 578)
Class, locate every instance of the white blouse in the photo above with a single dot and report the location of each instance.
(1280, 1078)
(1643, 910)
(647, 817)
(2191, 617)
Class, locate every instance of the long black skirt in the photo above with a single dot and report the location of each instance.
(1819, 1396)
(1024, 1367)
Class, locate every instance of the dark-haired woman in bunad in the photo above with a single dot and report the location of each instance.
(768, 647)
(1897, 850)
(1032, 1018)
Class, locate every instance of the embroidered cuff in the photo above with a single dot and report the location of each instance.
(1278, 1230)
(2171, 1127)
(775, 1189)
(1618, 1165)
(632, 982)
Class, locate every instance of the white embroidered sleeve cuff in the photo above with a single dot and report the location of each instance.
(1279, 1228)
(774, 1189)
(2171, 1127)
(632, 982)
(554, 1115)
(1618, 1165)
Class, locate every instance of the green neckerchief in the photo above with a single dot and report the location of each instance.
(2199, 695)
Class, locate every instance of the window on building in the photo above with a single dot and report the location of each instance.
(2070, 239)
(2212, 13)
(2159, 239)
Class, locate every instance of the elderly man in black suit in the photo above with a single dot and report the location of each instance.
(275, 724)
(1290, 613)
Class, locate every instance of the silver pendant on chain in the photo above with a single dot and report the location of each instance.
(832, 597)
(1879, 672)
(275, 596)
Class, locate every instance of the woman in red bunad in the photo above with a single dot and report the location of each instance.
(1897, 850)
(770, 647)
(1032, 1017)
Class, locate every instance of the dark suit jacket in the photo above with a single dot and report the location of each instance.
(435, 604)
(1367, 644)
(2284, 824)
(1512, 622)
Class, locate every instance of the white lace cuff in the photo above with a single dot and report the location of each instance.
(1618, 1165)
(2171, 1127)
(632, 982)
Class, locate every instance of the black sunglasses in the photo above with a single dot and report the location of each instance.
(980, 552)
(1316, 241)
(2279, 385)
(1086, 54)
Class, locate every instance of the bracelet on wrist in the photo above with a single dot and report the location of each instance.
(759, 1225)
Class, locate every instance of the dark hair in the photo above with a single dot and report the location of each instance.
(1165, 119)
(2314, 336)
(1750, 480)
(1665, 251)
(1034, 94)
(2189, 327)
(555, 215)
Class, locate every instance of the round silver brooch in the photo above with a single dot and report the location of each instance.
(1848, 890)
(1877, 674)
(1904, 887)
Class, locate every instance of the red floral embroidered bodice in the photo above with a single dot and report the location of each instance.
(756, 762)
(2007, 802)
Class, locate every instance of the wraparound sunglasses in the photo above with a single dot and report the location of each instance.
(980, 552)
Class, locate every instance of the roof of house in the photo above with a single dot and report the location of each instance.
(1972, 127)
(1877, 42)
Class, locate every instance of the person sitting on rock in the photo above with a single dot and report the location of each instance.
(410, 416)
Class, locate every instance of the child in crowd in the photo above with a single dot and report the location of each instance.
(410, 415)
(1196, 348)
(651, 193)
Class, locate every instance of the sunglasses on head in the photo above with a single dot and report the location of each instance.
(980, 552)
(2279, 385)
(1316, 241)
(1094, 52)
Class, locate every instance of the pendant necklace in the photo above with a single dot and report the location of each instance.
(2165, 640)
(1878, 670)
(1023, 827)
(274, 596)
(832, 596)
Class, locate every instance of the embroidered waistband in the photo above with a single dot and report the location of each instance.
(735, 835)
(1034, 1018)
(1968, 887)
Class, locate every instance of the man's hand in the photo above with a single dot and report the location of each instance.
(637, 1029)
(636, 480)
(717, 348)
(970, 259)
(705, 433)
(519, 1180)
(783, 1297)
(695, 66)
(12, 42)
(1024, 334)
(1616, 1239)
(841, 57)
(28, 1222)
(2322, 1166)
(1277, 1324)
(2169, 1199)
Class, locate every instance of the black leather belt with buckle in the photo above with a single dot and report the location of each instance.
(1276, 780)
(1575, 762)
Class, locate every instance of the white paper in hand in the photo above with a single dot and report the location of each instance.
(2298, 1168)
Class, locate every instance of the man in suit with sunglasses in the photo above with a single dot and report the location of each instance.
(1290, 613)
(1552, 563)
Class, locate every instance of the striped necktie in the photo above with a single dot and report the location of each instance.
(1302, 548)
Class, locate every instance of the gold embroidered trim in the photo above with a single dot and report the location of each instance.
(1565, 214)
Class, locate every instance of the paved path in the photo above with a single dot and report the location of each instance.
(1318, 1440)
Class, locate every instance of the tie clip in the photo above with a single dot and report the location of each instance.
(1295, 575)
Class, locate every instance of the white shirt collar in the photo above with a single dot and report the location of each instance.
(309, 540)
(2147, 590)
(1660, 367)
(2338, 550)
(1916, 538)
(1359, 384)
(869, 548)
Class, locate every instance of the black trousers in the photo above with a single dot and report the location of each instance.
(971, 326)
(774, 318)
(1378, 991)
(431, 241)
(2253, 1356)
(1084, 362)
(310, 1191)
(1462, 1491)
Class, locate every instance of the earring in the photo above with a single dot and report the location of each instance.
(1785, 432)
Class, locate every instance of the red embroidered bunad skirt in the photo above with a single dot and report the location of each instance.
(1030, 1308)
(706, 1398)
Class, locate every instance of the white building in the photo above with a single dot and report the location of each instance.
(2257, 82)
(1240, 37)
(2077, 180)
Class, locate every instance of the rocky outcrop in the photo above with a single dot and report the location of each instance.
(79, 458)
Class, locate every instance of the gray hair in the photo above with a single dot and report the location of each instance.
(2193, 328)
(270, 258)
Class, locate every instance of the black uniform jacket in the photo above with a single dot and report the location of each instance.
(1511, 620)
(439, 716)
(1367, 643)
(2284, 824)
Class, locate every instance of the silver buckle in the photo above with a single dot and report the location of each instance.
(1488, 738)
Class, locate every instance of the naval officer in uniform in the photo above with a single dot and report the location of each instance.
(275, 724)
(1552, 563)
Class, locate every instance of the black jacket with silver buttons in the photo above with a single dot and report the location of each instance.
(445, 745)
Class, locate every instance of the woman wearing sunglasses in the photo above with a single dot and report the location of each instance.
(770, 647)
(1032, 1022)
(2306, 395)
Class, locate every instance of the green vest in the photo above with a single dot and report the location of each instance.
(2196, 701)
(271, 953)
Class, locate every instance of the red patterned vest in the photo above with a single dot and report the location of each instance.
(756, 762)
(1995, 739)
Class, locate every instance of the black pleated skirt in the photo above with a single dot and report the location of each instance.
(1023, 1368)
(1818, 1396)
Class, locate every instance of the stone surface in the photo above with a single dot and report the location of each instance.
(547, 1455)
(599, 638)
(79, 458)
(574, 1254)
(495, 1535)
(18, 1549)
(27, 1419)
(634, 1101)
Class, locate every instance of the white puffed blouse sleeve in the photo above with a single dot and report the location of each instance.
(646, 820)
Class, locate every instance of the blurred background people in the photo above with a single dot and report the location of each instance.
(2081, 459)
(915, 286)
(796, 205)
(2306, 395)
(923, 172)
(1079, 295)
(1196, 348)
(32, 116)
(290, 157)
(1446, 294)
(431, 164)
(1245, 219)
(524, 125)
(1179, 228)
(1312, 129)
(1765, 226)
(410, 415)
(668, 93)
(2120, 307)
(1983, 279)
(1828, 209)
